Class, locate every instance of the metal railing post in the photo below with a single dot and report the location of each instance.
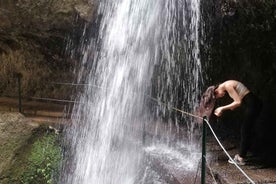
(19, 76)
(203, 156)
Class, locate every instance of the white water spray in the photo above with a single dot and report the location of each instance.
(135, 38)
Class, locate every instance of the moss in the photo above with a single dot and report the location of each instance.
(36, 162)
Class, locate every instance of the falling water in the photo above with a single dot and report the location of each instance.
(145, 48)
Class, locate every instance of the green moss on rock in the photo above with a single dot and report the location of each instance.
(37, 161)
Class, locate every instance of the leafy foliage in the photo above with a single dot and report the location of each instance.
(43, 161)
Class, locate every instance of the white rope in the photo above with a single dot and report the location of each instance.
(173, 108)
(195, 116)
(183, 112)
(251, 181)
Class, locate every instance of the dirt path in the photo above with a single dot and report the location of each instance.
(37, 110)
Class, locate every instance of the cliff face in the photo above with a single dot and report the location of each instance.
(242, 46)
(33, 38)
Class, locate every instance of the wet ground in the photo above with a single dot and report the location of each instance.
(256, 169)
(218, 169)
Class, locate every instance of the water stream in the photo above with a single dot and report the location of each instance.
(145, 48)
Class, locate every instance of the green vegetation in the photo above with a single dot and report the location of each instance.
(37, 162)
(43, 161)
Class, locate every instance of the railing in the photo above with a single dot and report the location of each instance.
(203, 157)
(204, 129)
(24, 104)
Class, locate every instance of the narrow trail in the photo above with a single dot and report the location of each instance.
(38, 112)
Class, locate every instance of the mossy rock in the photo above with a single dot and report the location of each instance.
(35, 160)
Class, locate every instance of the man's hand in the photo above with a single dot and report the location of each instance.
(218, 111)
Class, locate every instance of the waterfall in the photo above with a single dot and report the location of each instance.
(144, 48)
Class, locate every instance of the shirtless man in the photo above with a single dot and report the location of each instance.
(241, 96)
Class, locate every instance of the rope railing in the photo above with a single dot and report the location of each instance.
(174, 108)
(189, 114)
(54, 99)
(148, 96)
(76, 84)
(210, 127)
(164, 104)
(220, 144)
(251, 181)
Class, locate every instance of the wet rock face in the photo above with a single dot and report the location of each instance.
(33, 37)
(242, 47)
